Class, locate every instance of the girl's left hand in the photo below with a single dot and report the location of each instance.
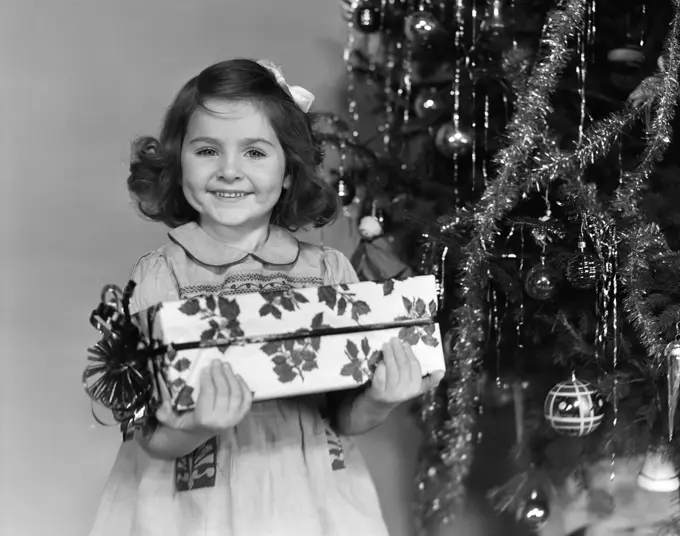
(398, 377)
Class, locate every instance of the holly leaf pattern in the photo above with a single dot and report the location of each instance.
(407, 304)
(359, 308)
(287, 303)
(388, 287)
(342, 306)
(329, 296)
(229, 309)
(317, 321)
(360, 367)
(420, 308)
(300, 298)
(212, 332)
(269, 309)
(270, 348)
(182, 364)
(351, 349)
(190, 307)
(210, 303)
(285, 372)
(353, 370)
(365, 346)
(185, 398)
(409, 335)
(433, 308)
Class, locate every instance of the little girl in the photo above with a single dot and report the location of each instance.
(233, 174)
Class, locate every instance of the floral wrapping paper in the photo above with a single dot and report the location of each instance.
(294, 366)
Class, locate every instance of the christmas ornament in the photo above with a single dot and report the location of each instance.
(582, 269)
(428, 104)
(574, 408)
(450, 140)
(534, 512)
(540, 235)
(367, 17)
(672, 354)
(659, 473)
(421, 27)
(495, 19)
(541, 282)
(345, 191)
(370, 227)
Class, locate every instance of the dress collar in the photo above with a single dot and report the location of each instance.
(281, 247)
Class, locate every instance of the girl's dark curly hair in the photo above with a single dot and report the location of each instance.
(155, 180)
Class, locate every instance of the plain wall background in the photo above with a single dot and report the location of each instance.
(79, 79)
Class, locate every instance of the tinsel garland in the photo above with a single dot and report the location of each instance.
(643, 239)
(440, 489)
(449, 438)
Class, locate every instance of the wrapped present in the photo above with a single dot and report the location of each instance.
(288, 343)
(296, 342)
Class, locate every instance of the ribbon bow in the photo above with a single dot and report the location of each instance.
(300, 95)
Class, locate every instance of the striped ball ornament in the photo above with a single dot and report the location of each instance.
(574, 408)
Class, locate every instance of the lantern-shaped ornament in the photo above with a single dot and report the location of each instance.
(574, 408)
(672, 354)
(367, 16)
(659, 473)
(582, 269)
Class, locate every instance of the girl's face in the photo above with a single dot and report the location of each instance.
(233, 166)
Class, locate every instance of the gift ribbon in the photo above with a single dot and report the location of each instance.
(293, 335)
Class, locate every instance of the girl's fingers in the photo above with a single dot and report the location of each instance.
(431, 381)
(233, 393)
(391, 367)
(247, 396)
(165, 414)
(415, 372)
(379, 381)
(206, 396)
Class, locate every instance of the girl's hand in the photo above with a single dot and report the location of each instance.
(223, 401)
(398, 377)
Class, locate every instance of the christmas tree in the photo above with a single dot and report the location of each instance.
(522, 152)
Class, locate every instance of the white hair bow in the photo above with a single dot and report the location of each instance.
(300, 95)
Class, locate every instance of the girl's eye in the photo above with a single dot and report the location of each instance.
(206, 151)
(255, 153)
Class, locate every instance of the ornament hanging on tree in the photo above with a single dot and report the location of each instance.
(542, 281)
(429, 104)
(534, 511)
(672, 354)
(345, 192)
(421, 28)
(582, 269)
(367, 16)
(495, 18)
(451, 140)
(574, 408)
(659, 473)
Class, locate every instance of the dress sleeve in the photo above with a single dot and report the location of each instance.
(155, 282)
(337, 268)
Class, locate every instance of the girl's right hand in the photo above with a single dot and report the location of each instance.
(223, 401)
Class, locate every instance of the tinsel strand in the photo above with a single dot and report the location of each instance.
(646, 237)
(532, 108)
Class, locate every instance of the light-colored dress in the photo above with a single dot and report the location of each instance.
(282, 471)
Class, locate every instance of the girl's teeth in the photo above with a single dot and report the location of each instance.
(225, 194)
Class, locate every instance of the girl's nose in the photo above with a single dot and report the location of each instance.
(230, 168)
